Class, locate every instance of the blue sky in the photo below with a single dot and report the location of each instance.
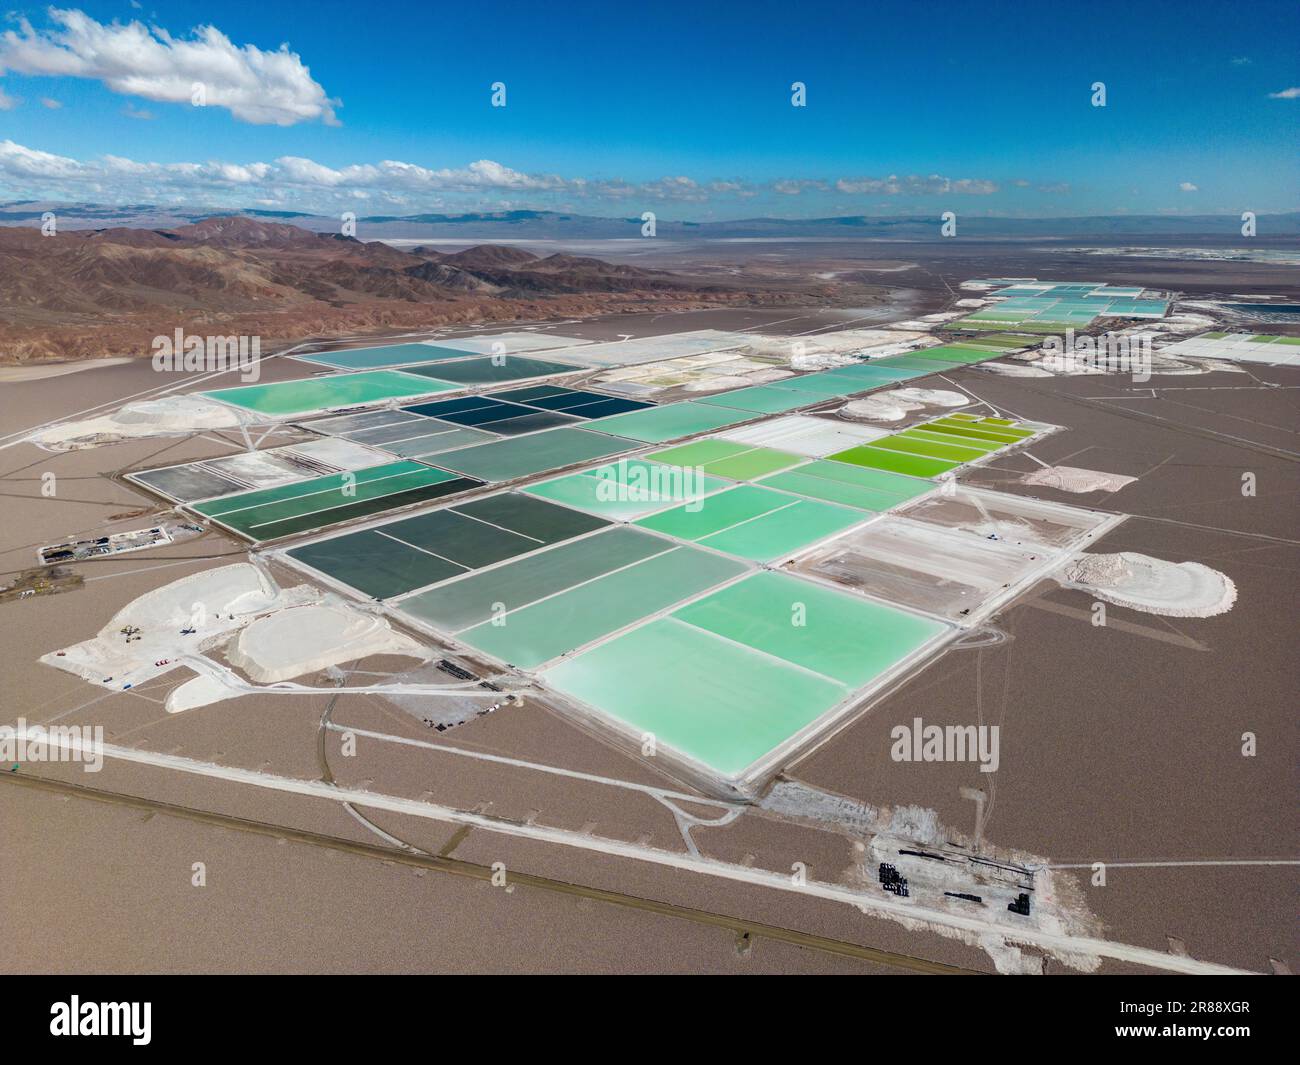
(683, 109)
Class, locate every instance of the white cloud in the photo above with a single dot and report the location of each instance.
(309, 172)
(1187, 186)
(681, 189)
(18, 163)
(392, 186)
(256, 86)
(7, 102)
(797, 186)
(51, 103)
(1286, 94)
(914, 185)
(309, 185)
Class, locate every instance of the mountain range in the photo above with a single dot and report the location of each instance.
(82, 293)
(554, 225)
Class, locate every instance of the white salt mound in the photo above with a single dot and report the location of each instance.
(186, 616)
(879, 408)
(1074, 479)
(827, 360)
(1072, 364)
(931, 397)
(307, 639)
(203, 690)
(149, 417)
(894, 405)
(1011, 369)
(1152, 585)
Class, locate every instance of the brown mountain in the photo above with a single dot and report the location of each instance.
(238, 231)
(488, 256)
(520, 273)
(91, 293)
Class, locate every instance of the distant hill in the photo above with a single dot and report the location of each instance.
(108, 291)
(486, 227)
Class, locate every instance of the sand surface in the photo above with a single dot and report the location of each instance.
(44, 371)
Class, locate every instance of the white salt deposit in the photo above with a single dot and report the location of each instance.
(1068, 364)
(849, 340)
(1075, 479)
(1152, 585)
(819, 359)
(1043, 362)
(203, 690)
(258, 469)
(150, 417)
(932, 397)
(342, 454)
(165, 624)
(777, 347)
(845, 347)
(1011, 369)
(212, 600)
(879, 408)
(278, 634)
(805, 435)
(895, 404)
(307, 639)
